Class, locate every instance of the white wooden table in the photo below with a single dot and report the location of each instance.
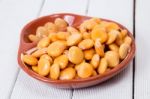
(132, 83)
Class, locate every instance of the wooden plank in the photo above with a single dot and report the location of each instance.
(13, 15)
(62, 6)
(142, 68)
(119, 87)
(29, 88)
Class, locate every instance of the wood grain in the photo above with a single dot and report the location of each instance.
(119, 87)
(13, 15)
(142, 63)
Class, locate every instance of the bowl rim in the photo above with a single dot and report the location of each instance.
(111, 73)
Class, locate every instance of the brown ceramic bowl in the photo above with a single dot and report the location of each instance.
(73, 20)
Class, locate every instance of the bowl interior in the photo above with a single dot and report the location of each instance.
(73, 20)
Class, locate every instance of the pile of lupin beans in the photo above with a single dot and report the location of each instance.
(64, 52)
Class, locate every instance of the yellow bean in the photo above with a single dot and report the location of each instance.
(35, 69)
(103, 24)
(41, 32)
(86, 35)
(56, 48)
(52, 37)
(61, 24)
(43, 67)
(99, 33)
(39, 52)
(72, 30)
(127, 40)
(112, 26)
(99, 48)
(67, 74)
(97, 20)
(88, 54)
(113, 47)
(44, 42)
(112, 35)
(85, 70)
(33, 38)
(123, 50)
(62, 61)
(74, 39)
(63, 35)
(86, 44)
(51, 27)
(54, 71)
(95, 61)
(102, 66)
(75, 55)
(119, 39)
(30, 60)
(47, 57)
(88, 24)
(112, 58)
(124, 33)
(94, 73)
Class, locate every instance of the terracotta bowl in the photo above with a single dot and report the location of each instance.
(73, 20)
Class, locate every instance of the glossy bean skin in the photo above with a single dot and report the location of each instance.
(30, 60)
(35, 69)
(67, 74)
(112, 26)
(127, 40)
(112, 58)
(53, 37)
(88, 54)
(33, 38)
(56, 48)
(99, 48)
(62, 61)
(123, 50)
(95, 61)
(99, 33)
(85, 70)
(102, 66)
(72, 30)
(39, 52)
(47, 57)
(43, 67)
(74, 39)
(63, 35)
(86, 44)
(61, 24)
(114, 47)
(44, 42)
(41, 32)
(51, 27)
(112, 35)
(74, 53)
(54, 72)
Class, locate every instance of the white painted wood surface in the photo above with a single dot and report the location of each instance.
(120, 87)
(29, 88)
(13, 15)
(16, 84)
(142, 68)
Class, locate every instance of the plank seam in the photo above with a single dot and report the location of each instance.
(86, 12)
(14, 83)
(87, 7)
(134, 61)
